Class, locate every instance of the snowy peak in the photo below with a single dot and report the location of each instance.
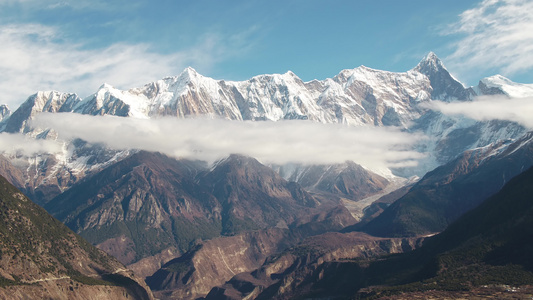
(43, 101)
(445, 86)
(275, 79)
(430, 64)
(499, 84)
(189, 75)
(52, 101)
(111, 101)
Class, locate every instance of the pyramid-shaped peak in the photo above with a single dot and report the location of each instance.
(106, 87)
(431, 56)
(188, 74)
(189, 71)
(290, 73)
(430, 63)
(291, 76)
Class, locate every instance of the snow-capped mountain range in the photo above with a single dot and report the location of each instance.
(355, 96)
(360, 96)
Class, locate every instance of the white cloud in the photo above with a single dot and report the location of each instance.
(270, 142)
(486, 108)
(498, 34)
(37, 57)
(20, 145)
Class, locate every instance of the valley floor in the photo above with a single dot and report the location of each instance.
(485, 292)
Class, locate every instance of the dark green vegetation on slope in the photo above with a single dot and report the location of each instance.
(449, 191)
(491, 244)
(25, 228)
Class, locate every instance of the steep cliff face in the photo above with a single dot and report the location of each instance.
(4, 113)
(39, 256)
(12, 174)
(444, 86)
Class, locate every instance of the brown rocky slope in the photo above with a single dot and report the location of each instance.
(40, 258)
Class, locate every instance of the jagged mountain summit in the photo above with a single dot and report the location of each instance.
(355, 97)
(445, 86)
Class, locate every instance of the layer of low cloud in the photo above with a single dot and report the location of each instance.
(21, 145)
(497, 34)
(270, 142)
(485, 108)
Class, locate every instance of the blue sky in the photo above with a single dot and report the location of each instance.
(75, 46)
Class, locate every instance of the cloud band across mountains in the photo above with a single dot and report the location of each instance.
(270, 142)
(22, 145)
(485, 108)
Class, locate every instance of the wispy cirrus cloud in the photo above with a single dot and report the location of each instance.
(496, 35)
(38, 57)
(270, 142)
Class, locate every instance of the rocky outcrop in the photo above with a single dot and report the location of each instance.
(149, 265)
